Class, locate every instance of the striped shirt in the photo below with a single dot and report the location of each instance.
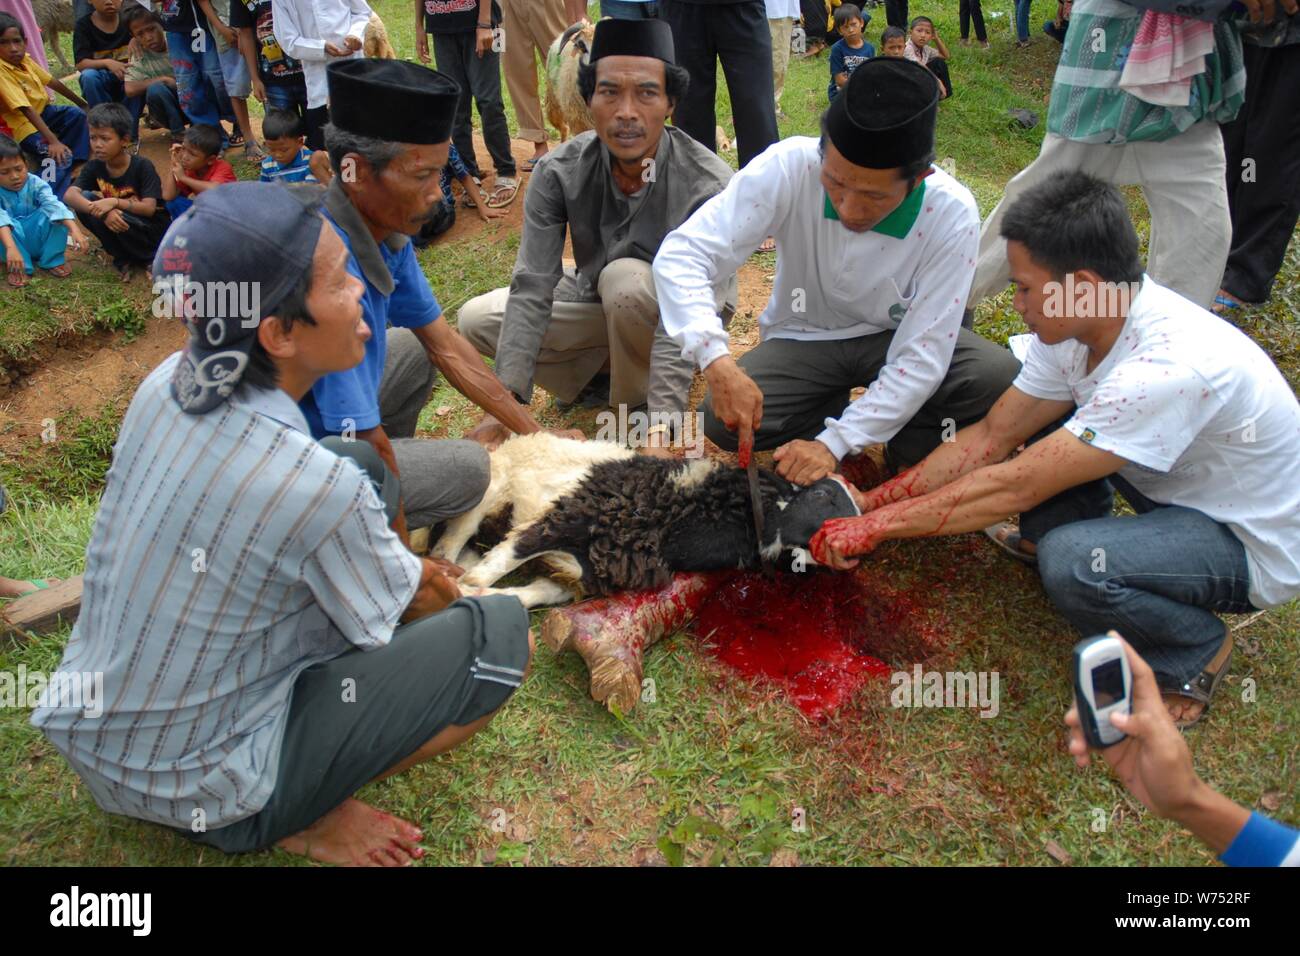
(1088, 104)
(297, 170)
(230, 553)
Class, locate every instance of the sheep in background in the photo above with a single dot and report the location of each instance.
(53, 16)
(565, 108)
(375, 42)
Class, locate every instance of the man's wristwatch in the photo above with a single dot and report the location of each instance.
(485, 26)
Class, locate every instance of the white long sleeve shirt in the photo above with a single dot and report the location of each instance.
(831, 283)
(303, 27)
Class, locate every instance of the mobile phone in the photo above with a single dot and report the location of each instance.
(1103, 685)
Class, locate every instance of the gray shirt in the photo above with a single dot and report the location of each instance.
(230, 553)
(573, 190)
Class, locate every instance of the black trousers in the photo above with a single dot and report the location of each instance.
(968, 10)
(896, 14)
(814, 21)
(737, 34)
(1263, 195)
(480, 80)
(137, 245)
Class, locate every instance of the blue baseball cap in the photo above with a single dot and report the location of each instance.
(222, 267)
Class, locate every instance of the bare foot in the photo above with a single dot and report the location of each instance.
(356, 834)
(125, 272)
(1182, 709)
(12, 587)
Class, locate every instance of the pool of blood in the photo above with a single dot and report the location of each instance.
(809, 633)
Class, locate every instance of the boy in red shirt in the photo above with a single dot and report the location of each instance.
(196, 166)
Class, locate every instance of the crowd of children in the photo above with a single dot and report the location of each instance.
(920, 43)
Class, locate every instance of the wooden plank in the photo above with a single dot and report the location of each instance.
(42, 611)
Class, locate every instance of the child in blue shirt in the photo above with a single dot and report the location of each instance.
(34, 225)
(444, 216)
(287, 159)
(851, 49)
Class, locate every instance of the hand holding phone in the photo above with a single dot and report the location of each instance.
(1103, 685)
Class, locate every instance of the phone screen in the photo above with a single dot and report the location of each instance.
(1108, 683)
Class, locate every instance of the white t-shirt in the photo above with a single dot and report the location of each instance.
(1204, 418)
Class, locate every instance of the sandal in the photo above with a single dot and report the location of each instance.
(768, 245)
(61, 271)
(504, 191)
(465, 199)
(236, 138)
(1202, 687)
(17, 279)
(1225, 303)
(531, 164)
(1007, 537)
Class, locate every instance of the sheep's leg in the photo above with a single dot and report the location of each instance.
(538, 593)
(459, 530)
(611, 633)
(499, 562)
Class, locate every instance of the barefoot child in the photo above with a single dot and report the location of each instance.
(44, 130)
(196, 167)
(118, 196)
(34, 226)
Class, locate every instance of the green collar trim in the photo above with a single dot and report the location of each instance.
(899, 222)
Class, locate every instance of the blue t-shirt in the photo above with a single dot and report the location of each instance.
(354, 394)
(297, 170)
(846, 59)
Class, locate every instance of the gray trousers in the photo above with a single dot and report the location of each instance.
(806, 382)
(441, 478)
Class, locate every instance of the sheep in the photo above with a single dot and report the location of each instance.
(53, 16)
(375, 43)
(604, 519)
(565, 108)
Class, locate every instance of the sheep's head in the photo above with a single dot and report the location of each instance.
(798, 514)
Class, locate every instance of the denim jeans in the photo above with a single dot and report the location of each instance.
(1022, 19)
(101, 86)
(199, 82)
(1158, 577)
(68, 123)
(629, 9)
(165, 107)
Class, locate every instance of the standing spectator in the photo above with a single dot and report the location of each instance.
(195, 64)
(781, 15)
(623, 10)
(896, 13)
(317, 33)
(968, 11)
(530, 26)
(1264, 206)
(463, 49)
(1022, 23)
(149, 73)
(735, 33)
(276, 78)
(100, 50)
(44, 130)
(235, 74)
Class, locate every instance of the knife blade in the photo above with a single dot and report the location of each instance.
(756, 503)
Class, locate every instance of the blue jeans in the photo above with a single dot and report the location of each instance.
(629, 9)
(101, 86)
(1158, 578)
(1022, 19)
(199, 82)
(165, 107)
(68, 123)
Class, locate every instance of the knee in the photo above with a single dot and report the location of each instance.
(479, 321)
(626, 288)
(1063, 556)
(362, 452)
(470, 473)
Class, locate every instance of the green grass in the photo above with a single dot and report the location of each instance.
(712, 771)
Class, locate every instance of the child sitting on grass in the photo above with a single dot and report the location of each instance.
(851, 49)
(893, 42)
(288, 160)
(196, 167)
(118, 196)
(933, 58)
(43, 130)
(443, 216)
(34, 225)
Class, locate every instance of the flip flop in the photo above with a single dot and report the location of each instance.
(531, 164)
(767, 246)
(61, 271)
(1223, 304)
(504, 185)
(16, 279)
(1008, 540)
(1202, 687)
